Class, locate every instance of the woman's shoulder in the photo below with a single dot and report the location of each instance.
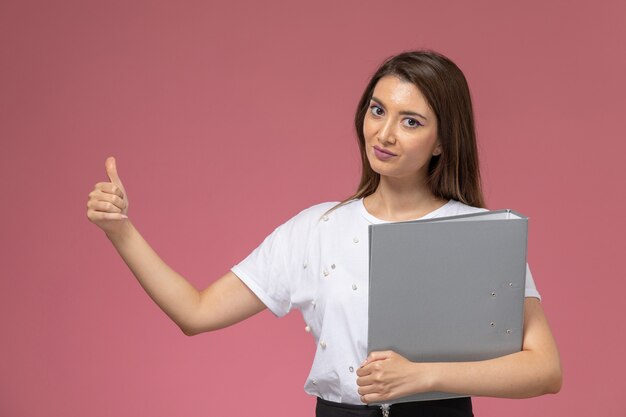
(311, 215)
(322, 212)
(456, 208)
(316, 211)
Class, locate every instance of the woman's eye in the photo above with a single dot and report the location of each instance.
(376, 111)
(411, 123)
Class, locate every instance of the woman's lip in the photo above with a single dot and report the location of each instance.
(382, 155)
(384, 151)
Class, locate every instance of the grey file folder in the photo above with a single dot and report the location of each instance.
(448, 289)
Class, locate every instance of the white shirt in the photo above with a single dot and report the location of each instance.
(319, 264)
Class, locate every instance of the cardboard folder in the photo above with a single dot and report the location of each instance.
(448, 289)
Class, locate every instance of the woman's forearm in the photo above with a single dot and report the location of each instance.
(169, 290)
(536, 370)
(533, 371)
(520, 375)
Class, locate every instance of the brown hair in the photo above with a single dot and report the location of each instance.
(454, 174)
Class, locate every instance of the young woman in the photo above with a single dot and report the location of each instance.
(416, 136)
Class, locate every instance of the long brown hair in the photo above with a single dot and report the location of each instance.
(454, 174)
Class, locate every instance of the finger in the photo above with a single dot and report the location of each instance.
(98, 216)
(371, 367)
(369, 389)
(365, 381)
(111, 169)
(103, 206)
(110, 188)
(377, 356)
(372, 398)
(364, 371)
(97, 195)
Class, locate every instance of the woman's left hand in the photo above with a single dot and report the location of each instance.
(387, 375)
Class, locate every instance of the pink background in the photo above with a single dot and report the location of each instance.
(229, 118)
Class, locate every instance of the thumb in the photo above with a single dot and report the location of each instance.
(112, 172)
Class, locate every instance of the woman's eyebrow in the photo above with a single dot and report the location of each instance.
(404, 113)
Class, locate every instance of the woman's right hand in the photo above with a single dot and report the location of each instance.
(107, 206)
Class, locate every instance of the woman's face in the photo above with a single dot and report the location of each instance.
(400, 130)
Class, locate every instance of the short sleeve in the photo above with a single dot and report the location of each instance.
(273, 271)
(265, 272)
(531, 289)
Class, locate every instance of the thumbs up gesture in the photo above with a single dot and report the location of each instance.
(107, 206)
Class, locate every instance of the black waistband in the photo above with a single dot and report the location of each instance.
(453, 407)
(348, 406)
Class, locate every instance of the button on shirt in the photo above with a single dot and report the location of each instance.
(317, 262)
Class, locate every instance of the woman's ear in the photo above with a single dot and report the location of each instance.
(437, 151)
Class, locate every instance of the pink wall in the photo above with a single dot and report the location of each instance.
(214, 110)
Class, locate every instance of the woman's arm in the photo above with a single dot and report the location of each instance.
(225, 302)
(535, 370)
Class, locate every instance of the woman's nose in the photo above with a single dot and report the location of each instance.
(385, 134)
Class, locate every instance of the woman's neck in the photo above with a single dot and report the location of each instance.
(396, 201)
